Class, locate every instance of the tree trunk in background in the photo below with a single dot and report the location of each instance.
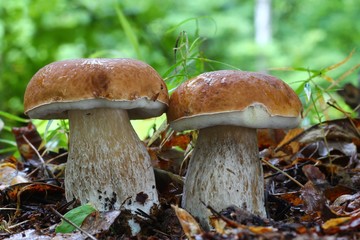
(262, 21)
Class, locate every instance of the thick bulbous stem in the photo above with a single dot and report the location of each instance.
(108, 165)
(224, 170)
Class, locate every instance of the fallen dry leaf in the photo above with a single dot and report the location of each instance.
(9, 175)
(261, 230)
(100, 222)
(32, 192)
(289, 140)
(180, 140)
(291, 197)
(339, 130)
(269, 137)
(190, 226)
(343, 224)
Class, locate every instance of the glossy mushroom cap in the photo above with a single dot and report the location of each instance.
(232, 97)
(96, 83)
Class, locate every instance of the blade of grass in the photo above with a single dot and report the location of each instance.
(328, 78)
(8, 150)
(196, 19)
(300, 69)
(13, 117)
(343, 76)
(128, 30)
(9, 142)
(284, 173)
(336, 65)
(217, 62)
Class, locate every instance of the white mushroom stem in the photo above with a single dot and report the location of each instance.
(224, 170)
(108, 165)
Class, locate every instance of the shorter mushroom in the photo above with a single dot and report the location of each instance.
(228, 106)
(108, 165)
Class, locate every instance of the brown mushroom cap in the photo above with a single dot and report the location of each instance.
(231, 97)
(96, 83)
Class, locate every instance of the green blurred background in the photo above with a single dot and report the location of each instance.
(307, 33)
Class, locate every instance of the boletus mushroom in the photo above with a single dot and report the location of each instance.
(108, 165)
(227, 107)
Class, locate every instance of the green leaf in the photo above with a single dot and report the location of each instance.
(76, 216)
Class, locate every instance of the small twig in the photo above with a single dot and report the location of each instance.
(33, 148)
(7, 209)
(185, 160)
(278, 169)
(72, 224)
(56, 157)
(143, 214)
(39, 156)
(167, 138)
(162, 233)
(157, 134)
(18, 224)
(228, 221)
(347, 115)
(288, 169)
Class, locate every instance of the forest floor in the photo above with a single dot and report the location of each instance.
(312, 189)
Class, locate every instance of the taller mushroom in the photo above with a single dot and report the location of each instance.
(228, 106)
(108, 165)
